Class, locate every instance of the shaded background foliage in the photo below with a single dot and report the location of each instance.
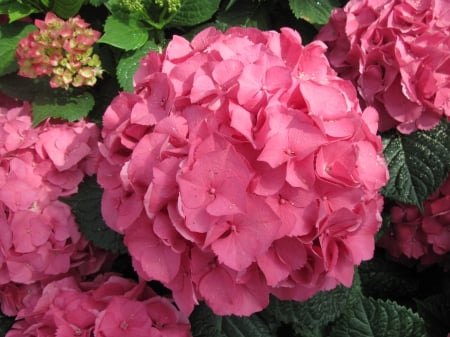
(388, 297)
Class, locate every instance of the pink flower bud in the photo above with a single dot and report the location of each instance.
(59, 43)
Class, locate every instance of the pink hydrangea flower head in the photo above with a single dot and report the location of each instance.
(231, 178)
(60, 49)
(40, 238)
(421, 236)
(396, 52)
(108, 306)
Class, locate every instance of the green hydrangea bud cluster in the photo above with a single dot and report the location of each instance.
(132, 5)
(60, 49)
(172, 5)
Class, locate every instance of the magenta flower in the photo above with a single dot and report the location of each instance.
(424, 237)
(60, 49)
(396, 52)
(231, 178)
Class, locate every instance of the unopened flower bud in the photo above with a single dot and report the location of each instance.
(60, 49)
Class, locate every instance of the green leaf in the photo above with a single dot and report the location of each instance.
(129, 63)
(124, 32)
(25, 89)
(435, 310)
(205, 324)
(64, 8)
(45, 101)
(418, 163)
(10, 35)
(377, 318)
(245, 14)
(4, 5)
(383, 278)
(86, 205)
(18, 10)
(5, 324)
(307, 317)
(69, 107)
(193, 12)
(313, 11)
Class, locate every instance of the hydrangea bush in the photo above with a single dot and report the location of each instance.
(224, 168)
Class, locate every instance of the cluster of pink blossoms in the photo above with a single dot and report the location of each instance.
(397, 53)
(424, 237)
(44, 259)
(60, 49)
(39, 236)
(240, 166)
(108, 306)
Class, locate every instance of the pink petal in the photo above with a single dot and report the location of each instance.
(154, 258)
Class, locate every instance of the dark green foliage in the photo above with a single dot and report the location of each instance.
(86, 208)
(418, 163)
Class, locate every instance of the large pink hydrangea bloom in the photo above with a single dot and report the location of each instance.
(40, 238)
(421, 236)
(397, 52)
(242, 165)
(108, 306)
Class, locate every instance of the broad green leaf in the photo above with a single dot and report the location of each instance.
(193, 12)
(246, 14)
(124, 32)
(205, 324)
(86, 208)
(25, 89)
(69, 107)
(129, 63)
(10, 35)
(320, 310)
(435, 310)
(313, 11)
(418, 163)
(45, 101)
(377, 318)
(4, 5)
(64, 8)
(5, 324)
(384, 278)
(18, 10)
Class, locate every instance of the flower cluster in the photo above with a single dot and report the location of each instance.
(396, 52)
(421, 236)
(108, 306)
(40, 238)
(60, 49)
(240, 166)
(172, 5)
